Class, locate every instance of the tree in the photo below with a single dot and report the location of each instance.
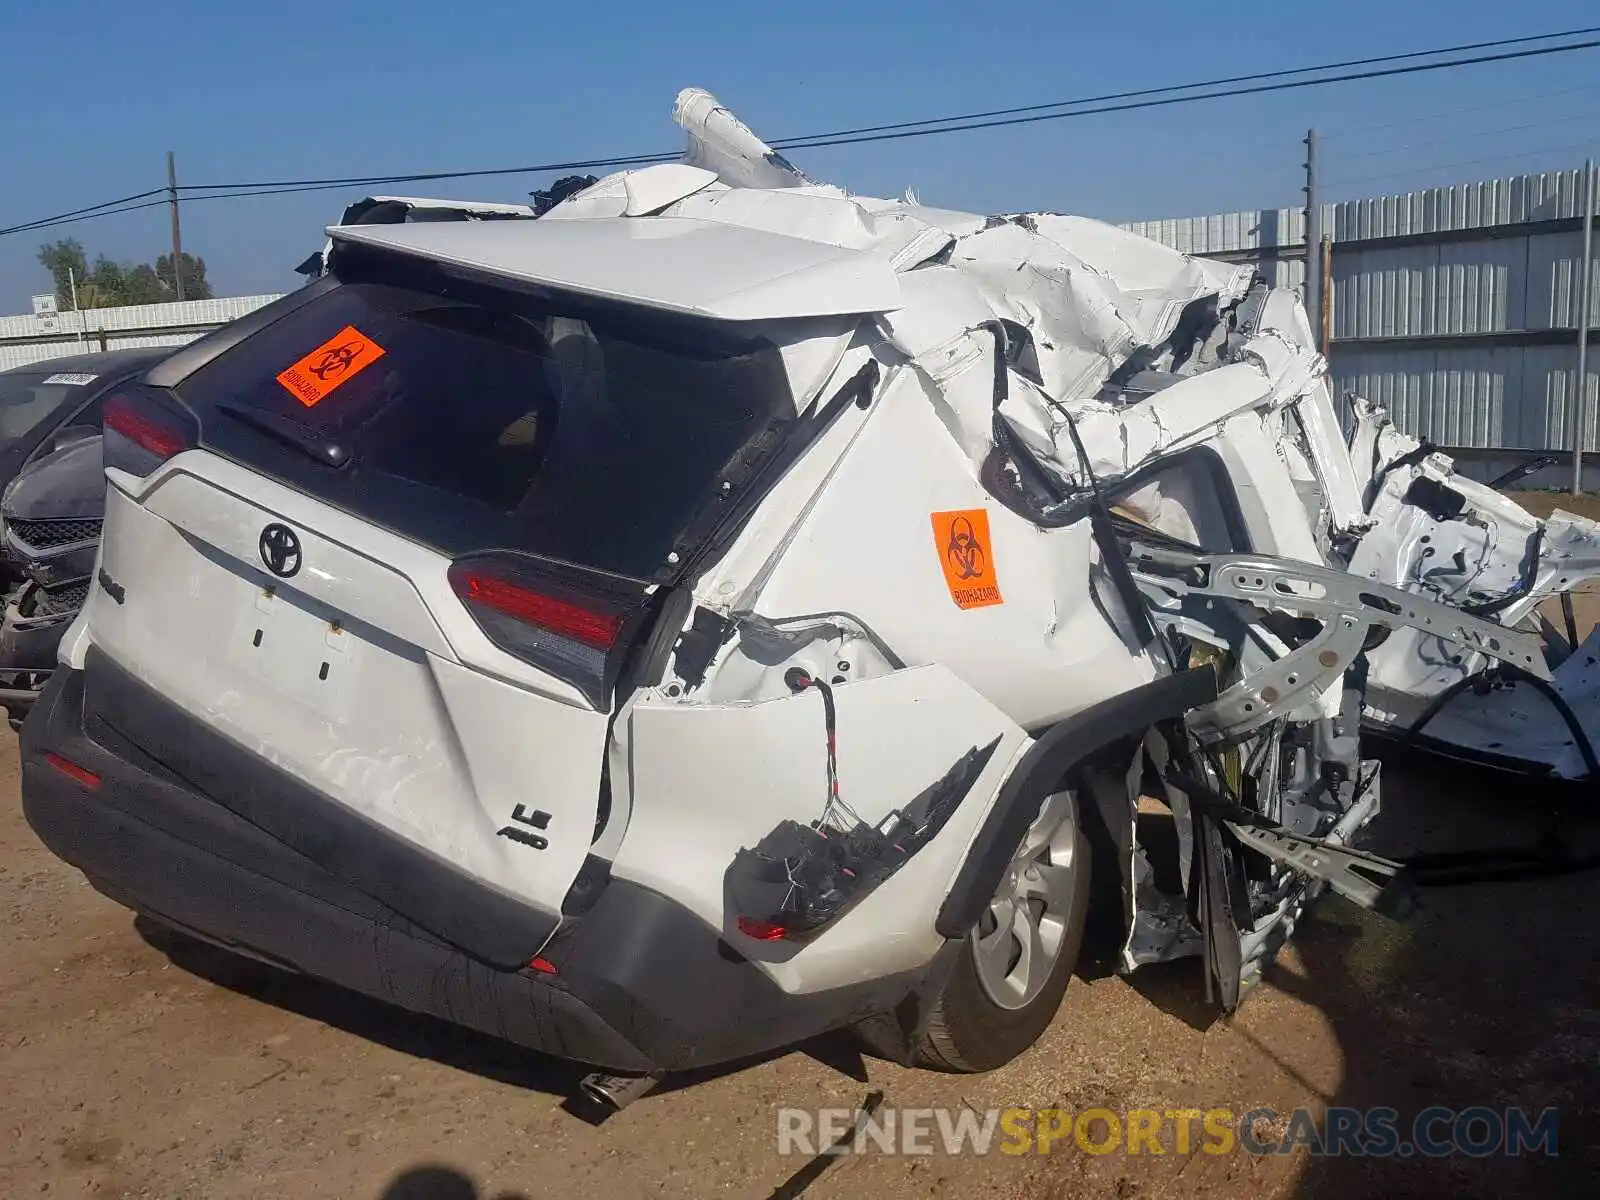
(65, 260)
(195, 286)
(141, 285)
(109, 283)
(107, 278)
(90, 296)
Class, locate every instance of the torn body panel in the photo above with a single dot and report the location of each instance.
(1037, 367)
(1439, 534)
(1081, 462)
(710, 779)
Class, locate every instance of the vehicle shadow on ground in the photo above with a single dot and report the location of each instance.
(1178, 989)
(440, 1041)
(409, 1033)
(1486, 997)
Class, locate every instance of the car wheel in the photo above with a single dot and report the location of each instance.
(1008, 980)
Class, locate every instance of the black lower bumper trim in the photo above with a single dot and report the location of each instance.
(642, 984)
(1048, 763)
(177, 882)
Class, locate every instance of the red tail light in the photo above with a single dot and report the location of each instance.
(570, 622)
(762, 931)
(72, 770)
(155, 433)
(597, 629)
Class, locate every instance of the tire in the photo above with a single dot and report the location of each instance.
(968, 1030)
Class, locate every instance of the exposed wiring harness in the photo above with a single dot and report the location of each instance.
(833, 807)
(1098, 511)
(801, 877)
(1481, 681)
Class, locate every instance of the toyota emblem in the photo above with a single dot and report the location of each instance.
(280, 550)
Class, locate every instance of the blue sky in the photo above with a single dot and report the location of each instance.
(96, 91)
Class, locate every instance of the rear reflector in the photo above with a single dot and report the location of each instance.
(762, 931)
(72, 770)
(146, 428)
(597, 630)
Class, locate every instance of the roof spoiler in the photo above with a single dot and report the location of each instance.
(397, 210)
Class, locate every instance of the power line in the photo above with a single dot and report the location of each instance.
(1465, 162)
(536, 168)
(1161, 102)
(1497, 106)
(938, 124)
(796, 143)
(881, 134)
(1475, 134)
(90, 216)
(61, 218)
(310, 185)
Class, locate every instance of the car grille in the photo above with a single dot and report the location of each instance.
(46, 535)
(63, 599)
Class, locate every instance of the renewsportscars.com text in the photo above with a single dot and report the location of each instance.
(1437, 1132)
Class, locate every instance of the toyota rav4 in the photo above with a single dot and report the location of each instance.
(722, 609)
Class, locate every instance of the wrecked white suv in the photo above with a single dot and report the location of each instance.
(723, 609)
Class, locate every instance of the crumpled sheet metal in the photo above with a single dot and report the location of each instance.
(1088, 296)
(1058, 278)
(1086, 292)
(720, 142)
(823, 215)
(1438, 533)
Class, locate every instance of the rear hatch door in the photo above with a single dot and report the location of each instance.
(408, 565)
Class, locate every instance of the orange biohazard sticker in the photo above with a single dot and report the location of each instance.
(967, 557)
(337, 361)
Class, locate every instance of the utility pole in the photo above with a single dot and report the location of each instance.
(72, 283)
(177, 239)
(1325, 265)
(1581, 399)
(1313, 192)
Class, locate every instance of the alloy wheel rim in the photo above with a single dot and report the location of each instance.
(1018, 940)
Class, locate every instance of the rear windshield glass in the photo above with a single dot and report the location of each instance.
(26, 400)
(475, 418)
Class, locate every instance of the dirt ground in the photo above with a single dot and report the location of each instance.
(1542, 504)
(142, 1065)
(139, 1064)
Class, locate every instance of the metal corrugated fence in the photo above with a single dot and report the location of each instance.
(1510, 397)
(1455, 307)
(24, 354)
(29, 339)
(138, 316)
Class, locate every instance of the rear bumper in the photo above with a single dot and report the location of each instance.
(641, 983)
